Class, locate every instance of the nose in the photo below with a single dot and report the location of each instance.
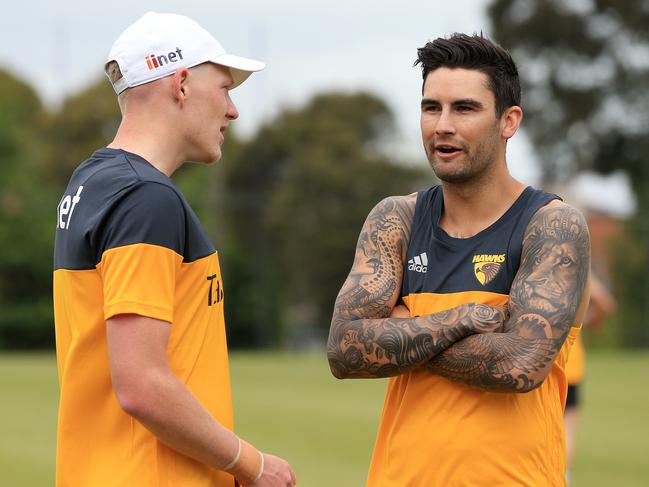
(232, 113)
(444, 125)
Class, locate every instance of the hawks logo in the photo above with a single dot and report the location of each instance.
(485, 267)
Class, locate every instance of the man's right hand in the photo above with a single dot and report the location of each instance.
(277, 473)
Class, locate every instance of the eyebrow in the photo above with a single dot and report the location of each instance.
(464, 101)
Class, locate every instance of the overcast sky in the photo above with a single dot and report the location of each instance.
(60, 46)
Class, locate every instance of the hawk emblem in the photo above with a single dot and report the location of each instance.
(486, 271)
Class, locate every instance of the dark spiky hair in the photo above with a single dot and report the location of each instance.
(479, 53)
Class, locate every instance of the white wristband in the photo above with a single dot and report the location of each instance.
(248, 466)
(236, 458)
(261, 470)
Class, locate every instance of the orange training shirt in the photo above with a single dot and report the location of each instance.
(128, 242)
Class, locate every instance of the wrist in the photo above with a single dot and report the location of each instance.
(483, 318)
(248, 464)
(466, 325)
(469, 322)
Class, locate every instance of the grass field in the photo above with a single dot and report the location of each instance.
(290, 405)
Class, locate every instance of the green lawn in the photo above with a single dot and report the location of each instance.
(289, 405)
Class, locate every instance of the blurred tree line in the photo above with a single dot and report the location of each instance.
(284, 208)
(584, 65)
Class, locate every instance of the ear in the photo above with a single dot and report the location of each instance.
(179, 85)
(510, 121)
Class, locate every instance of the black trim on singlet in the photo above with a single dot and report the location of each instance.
(117, 198)
(573, 396)
(439, 263)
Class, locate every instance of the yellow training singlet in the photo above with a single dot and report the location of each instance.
(128, 242)
(437, 433)
(575, 368)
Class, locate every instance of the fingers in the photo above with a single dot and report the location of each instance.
(277, 473)
(400, 311)
(290, 482)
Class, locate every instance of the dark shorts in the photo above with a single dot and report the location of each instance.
(572, 399)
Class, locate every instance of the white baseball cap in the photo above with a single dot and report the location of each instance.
(158, 44)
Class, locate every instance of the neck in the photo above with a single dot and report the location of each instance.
(152, 141)
(470, 207)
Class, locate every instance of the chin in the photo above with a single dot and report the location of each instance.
(216, 155)
(204, 161)
(214, 159)
(451, 175)
(209, 158)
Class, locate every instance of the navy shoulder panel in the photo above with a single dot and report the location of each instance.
(116, 198)
(146, 212)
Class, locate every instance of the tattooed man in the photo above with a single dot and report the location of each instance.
(466, 295)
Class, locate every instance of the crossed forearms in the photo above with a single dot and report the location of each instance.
(496, 362)
(367, 348)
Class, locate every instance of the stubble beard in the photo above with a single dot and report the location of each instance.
(476, 163)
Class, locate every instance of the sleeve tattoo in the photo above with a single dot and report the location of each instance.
(363, 341)
(545, 298)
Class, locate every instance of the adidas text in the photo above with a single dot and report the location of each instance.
(419, 263)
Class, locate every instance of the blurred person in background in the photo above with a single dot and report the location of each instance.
(466, 295)
(138, 295)
(605, 201)
(602, 304)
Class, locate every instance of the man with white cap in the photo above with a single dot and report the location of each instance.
(138, 294)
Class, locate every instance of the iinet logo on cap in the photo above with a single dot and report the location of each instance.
(144, 52)
(154, 62)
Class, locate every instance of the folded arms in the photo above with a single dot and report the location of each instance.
(478, 345)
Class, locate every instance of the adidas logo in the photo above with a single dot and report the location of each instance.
(419, 263)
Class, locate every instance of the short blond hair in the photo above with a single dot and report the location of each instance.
(113, 72)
